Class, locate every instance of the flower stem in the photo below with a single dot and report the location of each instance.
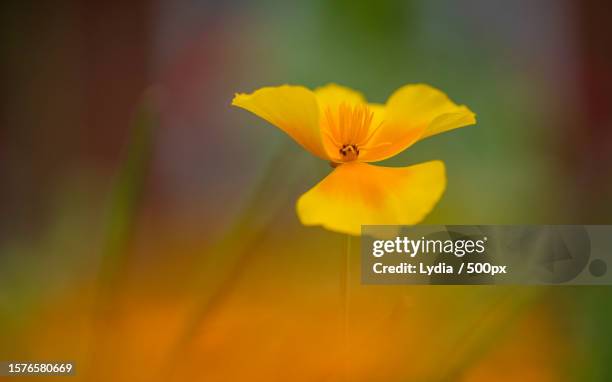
(345, 295)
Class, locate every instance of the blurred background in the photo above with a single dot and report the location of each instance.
(148, 229)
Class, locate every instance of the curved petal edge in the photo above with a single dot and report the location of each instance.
(356, 194)
(293, 109)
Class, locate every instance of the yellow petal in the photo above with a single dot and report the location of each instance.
(379, 114)
(332, 95)
(359, 193)
(414, 112)
(292, 109)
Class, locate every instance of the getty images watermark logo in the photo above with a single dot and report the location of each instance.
(411, 247)
(572, 255)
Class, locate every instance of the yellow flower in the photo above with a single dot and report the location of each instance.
(337, 124)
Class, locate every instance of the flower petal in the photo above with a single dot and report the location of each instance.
(414, 112)
(357, 193)
(332, 95)
(292, 109)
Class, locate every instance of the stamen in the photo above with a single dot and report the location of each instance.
(331, 138)
(349, 152)
(367, 121)
(371, 134)
(341, 121)
(348, 128)
(331, 123)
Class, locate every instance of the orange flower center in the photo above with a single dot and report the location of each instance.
(349, 152)
(348, 128)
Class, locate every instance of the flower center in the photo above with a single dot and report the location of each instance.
(349, 152)
(348, 128)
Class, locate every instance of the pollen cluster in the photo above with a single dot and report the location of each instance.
(349, 152)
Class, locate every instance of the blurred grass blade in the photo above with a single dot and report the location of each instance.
(127, 190)
(125, 197)
(235, 249)
(479, 337)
